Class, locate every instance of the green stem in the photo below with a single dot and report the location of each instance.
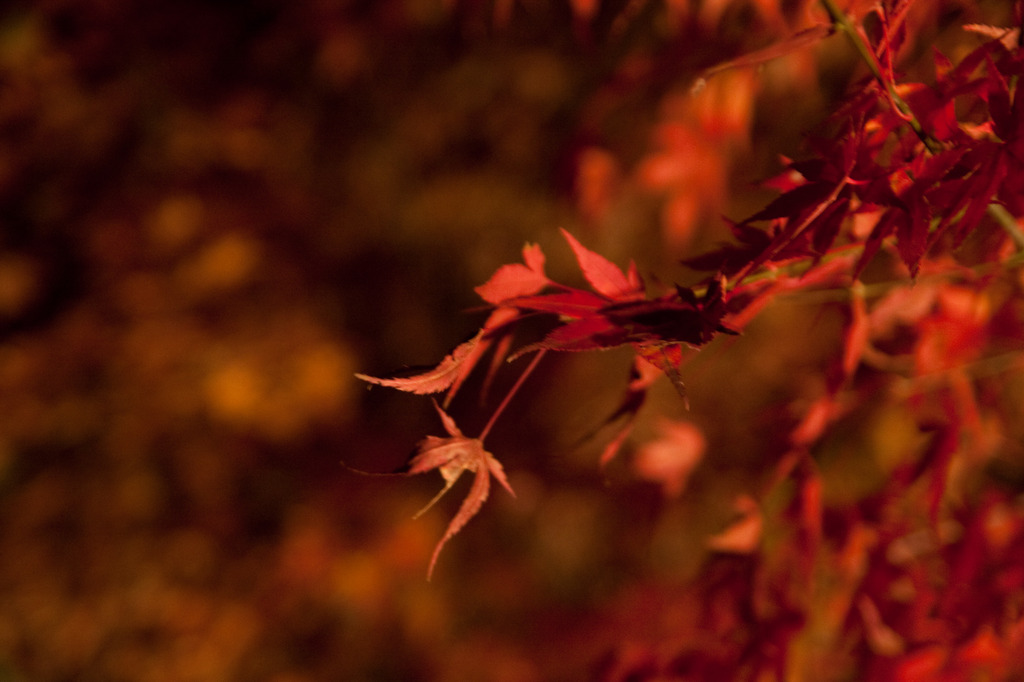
(841, 21)
(1008, 223)
(876, 289)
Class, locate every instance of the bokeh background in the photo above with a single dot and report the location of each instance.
(212, 216)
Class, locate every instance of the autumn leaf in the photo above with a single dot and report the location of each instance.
(668, 358)
(604, 276)
(744, 535)
(882, 639)
(516, 279)
(667, 320)
(857, 335)
(508, 282)
(817, 417)
(798, 41)
(572, 303)
(1009, 37)
(671, 459)
(731, 257)
(641, 376)
(440, 378)
(452, 456)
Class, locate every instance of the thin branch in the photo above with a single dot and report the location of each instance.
(868, 56)
(511, 392)
(1008, 223)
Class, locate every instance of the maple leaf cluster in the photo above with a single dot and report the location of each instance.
(927, 167)
(616, 311)
(918, 577)
(908, 212)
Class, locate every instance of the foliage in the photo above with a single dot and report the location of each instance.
(907, 210)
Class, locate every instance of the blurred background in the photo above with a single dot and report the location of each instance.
(211, 217)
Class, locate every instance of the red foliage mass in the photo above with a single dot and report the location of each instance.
(920, 183)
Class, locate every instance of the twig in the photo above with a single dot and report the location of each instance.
(868, 56)
(511, 392)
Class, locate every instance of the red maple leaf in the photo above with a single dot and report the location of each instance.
(452, 456)
(604, 276)
(452, 369)
(618, 312)
(516, 279)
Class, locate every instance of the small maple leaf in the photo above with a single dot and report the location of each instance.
(516, 279)
(604, 276)
(452, 456)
